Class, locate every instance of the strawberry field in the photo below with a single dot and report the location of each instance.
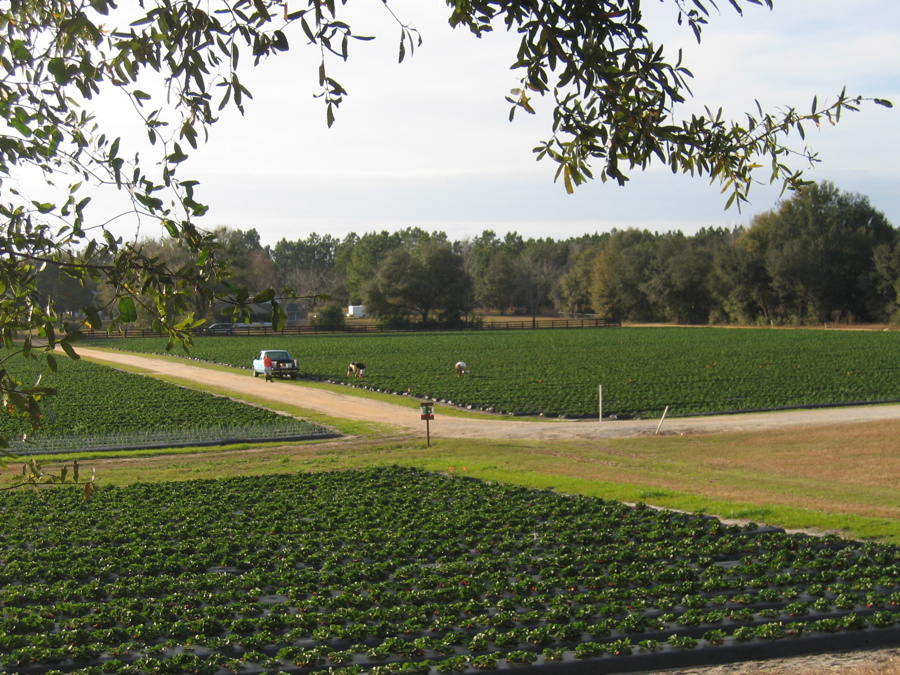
(557, 373)
(98, 406)
(396, 570)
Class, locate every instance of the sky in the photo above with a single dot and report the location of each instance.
(427, 143)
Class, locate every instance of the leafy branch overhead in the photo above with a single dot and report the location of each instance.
(616, 97)
(35, 475)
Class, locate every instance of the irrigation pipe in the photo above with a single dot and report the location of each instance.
(661, 420)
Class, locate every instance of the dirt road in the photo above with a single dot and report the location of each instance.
(357, 408)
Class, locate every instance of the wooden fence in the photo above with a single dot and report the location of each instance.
(244, 331)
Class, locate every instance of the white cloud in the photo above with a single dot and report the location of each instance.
(427, 142)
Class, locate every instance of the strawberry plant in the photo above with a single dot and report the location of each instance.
(556, 373)
(96, 405)
(401, 570)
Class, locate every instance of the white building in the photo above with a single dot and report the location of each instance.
(356, 311)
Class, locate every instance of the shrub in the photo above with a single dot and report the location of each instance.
(330, 315)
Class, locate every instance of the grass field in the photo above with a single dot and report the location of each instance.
(558, 372)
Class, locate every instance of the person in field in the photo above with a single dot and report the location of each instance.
(357, 370)
(267, 367)
(461, 368)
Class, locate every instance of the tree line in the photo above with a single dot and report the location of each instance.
(821, 256)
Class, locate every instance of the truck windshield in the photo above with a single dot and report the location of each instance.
(279, 355)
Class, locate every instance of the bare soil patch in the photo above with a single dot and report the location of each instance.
(877, 662)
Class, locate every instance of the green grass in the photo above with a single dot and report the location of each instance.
(615, 469)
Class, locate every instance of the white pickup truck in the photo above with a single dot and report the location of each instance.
(282, 364)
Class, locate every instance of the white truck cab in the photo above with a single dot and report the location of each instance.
(282, 364)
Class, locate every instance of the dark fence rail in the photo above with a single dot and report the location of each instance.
(367, 328)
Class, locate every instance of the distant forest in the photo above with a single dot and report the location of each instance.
(822, 255)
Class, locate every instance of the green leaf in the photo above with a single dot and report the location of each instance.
(92, 317)
(264, 296)
(57, 67)
(280, 42)
(127, 310)
(101, 6)
(20, 126)
(44, 207)
(177, 156)
(171, 227)
(278, 316)
(70, 352)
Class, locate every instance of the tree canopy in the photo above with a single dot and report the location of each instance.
(823, 255)
(420, 280)
(614, 95)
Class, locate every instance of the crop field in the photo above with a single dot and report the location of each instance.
(395, 570)
(558, 372)
(96, 402)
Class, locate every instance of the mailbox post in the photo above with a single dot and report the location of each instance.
(427, 415)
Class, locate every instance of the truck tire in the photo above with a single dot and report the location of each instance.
(255, 374)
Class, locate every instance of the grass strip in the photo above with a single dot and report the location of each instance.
(495, 461)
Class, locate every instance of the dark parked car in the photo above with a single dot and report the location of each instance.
(219, 329)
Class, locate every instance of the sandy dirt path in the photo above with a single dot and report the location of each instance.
(356, 408)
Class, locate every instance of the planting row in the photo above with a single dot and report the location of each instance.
(406, 571)
(641, 370)
(94, 401)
